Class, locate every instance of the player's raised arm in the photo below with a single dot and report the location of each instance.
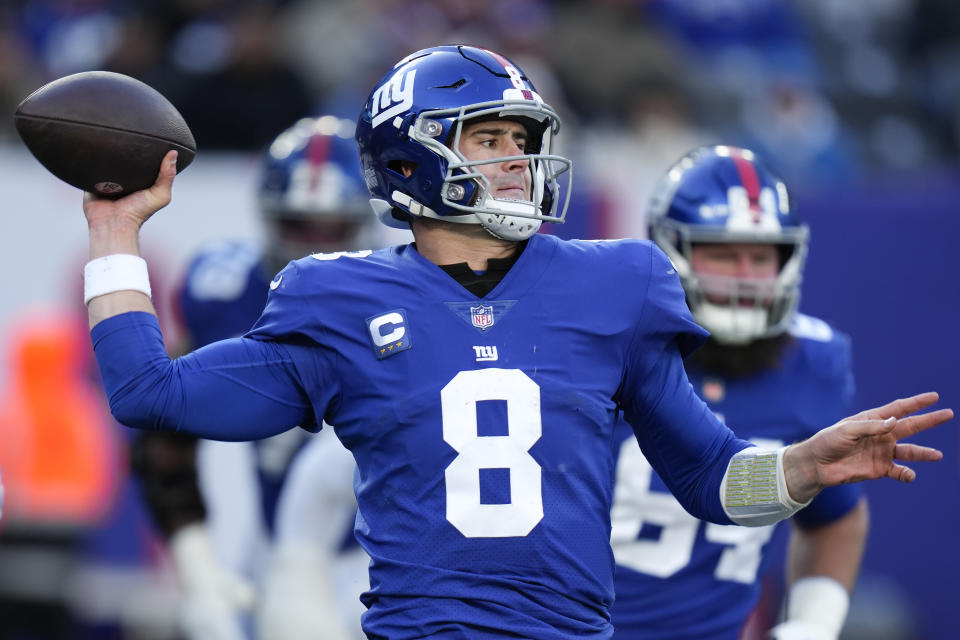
(863, 447)
(115, 279)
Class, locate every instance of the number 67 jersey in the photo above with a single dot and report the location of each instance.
(482, 427)
(679, 578)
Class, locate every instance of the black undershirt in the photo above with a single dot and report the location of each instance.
(483, 283)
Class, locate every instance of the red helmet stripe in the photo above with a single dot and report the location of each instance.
(318, 152)
(318, 149)
(751, 182)
(499, 58)
(749, 178)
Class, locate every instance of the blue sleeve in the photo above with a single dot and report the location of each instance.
(238, 389)
(829, 505)
(683, 440)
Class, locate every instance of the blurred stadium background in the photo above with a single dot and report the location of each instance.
(856, 104)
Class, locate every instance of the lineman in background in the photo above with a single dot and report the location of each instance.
(773, 375)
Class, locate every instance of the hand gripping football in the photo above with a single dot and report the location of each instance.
(103, 132)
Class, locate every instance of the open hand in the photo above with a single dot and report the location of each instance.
(864, 447)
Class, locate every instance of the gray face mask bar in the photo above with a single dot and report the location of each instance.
(546, 169)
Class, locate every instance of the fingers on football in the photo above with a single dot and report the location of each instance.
(915, 424)
(168, 168)
(916, 453)
(902, 406)
(161, 189)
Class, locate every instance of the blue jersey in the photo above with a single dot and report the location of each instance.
(222, 296)
(678, 577)
(482, 427)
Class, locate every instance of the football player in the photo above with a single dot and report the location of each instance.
(476, 374)
(217, 504)
(771, 374)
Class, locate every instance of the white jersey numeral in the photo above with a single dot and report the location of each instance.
(458, 401)
(634, 504)
(336, 255)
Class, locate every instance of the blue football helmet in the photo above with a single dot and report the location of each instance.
(312, 195)
(724, 194)
(415, 116)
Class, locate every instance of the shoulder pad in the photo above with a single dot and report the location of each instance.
(221, 271)
(811, 328)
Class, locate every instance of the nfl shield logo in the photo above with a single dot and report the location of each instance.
(482, 316)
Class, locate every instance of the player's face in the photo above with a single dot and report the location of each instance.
(740, 270)
(509, 180)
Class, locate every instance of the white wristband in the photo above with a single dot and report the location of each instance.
(116, 272)
(820, 602)
(754, 488)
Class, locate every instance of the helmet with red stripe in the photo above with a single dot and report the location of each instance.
(409, 132)
(725, 195)
(312, 195)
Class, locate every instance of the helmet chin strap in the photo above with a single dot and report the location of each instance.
(507, 227)
(502, 226)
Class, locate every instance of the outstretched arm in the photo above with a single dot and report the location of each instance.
(761, 487)
(863, 447)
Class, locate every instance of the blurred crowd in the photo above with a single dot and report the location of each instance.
(826, 90)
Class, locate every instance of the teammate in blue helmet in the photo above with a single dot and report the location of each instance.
(311, 198)
(476, 374)
(771, 374)
(721, 196)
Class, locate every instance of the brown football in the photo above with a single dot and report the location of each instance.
(103, 132)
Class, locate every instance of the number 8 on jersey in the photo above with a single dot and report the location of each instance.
(458, 401)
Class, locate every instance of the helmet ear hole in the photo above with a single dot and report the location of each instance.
(406, 168)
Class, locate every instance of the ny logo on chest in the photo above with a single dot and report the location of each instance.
(485, 353)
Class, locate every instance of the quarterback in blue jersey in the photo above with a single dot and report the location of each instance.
(311, 198)
(774, 376)
(476, 374)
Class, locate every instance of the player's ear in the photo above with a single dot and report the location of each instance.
(407, 168)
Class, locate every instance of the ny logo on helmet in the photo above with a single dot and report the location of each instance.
(752, 211)
(393, 98)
